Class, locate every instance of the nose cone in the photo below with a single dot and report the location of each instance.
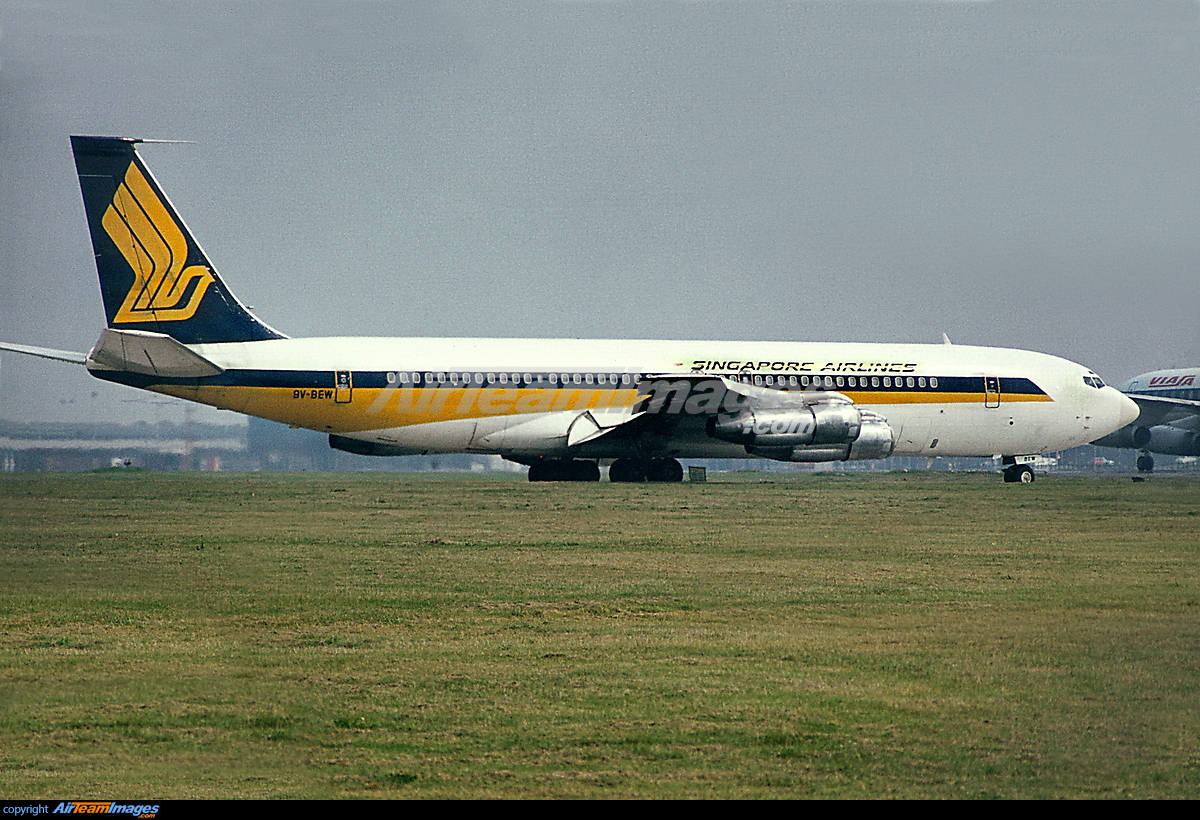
(1127, 409)
(1114, 411)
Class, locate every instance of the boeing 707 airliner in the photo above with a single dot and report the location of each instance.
(560, 406)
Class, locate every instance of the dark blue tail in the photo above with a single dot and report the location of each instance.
(153, 275)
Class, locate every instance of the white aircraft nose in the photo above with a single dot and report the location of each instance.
(1129, 410)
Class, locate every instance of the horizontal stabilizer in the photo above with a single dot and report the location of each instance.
(154, 354)
(45, 353)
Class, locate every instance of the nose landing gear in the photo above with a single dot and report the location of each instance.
(1018, 474)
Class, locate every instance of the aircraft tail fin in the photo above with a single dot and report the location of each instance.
(153, 275)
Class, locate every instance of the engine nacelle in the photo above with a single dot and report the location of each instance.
(1173, 441)
(1162, 438)
(875, 438)
(788, 426)
(1129, 437)
(824, 431)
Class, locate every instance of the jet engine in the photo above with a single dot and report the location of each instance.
(832, 429)
(1171, 440)
(1162, 438)
(1131, 436)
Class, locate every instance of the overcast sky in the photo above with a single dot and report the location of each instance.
(1018, 174)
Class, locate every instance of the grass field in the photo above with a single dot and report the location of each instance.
(370, 635)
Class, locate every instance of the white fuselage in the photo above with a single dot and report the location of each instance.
(522, 396)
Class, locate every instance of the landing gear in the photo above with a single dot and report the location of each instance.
(665, 470)
(1145, 463)
(1018, 474)
(625, 470)
(659, 470)
(556, 469)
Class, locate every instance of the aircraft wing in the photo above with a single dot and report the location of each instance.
(1156, 410)
(659, 414)
(674, 405)
(45, 353)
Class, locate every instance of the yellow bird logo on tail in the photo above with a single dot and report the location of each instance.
(152, 243)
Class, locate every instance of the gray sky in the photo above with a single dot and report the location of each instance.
(1019, 174)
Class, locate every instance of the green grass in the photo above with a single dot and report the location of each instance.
(363, 635)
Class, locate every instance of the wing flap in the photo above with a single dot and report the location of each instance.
(591, 425)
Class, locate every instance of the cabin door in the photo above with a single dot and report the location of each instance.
(343, 387)
(991, 391)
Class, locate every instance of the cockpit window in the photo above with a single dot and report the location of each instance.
(1093, 381)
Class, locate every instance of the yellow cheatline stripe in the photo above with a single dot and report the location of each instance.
(399, 408)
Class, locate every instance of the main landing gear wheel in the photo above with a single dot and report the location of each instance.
(1018, 474)
(658, 470)
(1145, 463)
(552, 469)
(627, 470)
(665, 470)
